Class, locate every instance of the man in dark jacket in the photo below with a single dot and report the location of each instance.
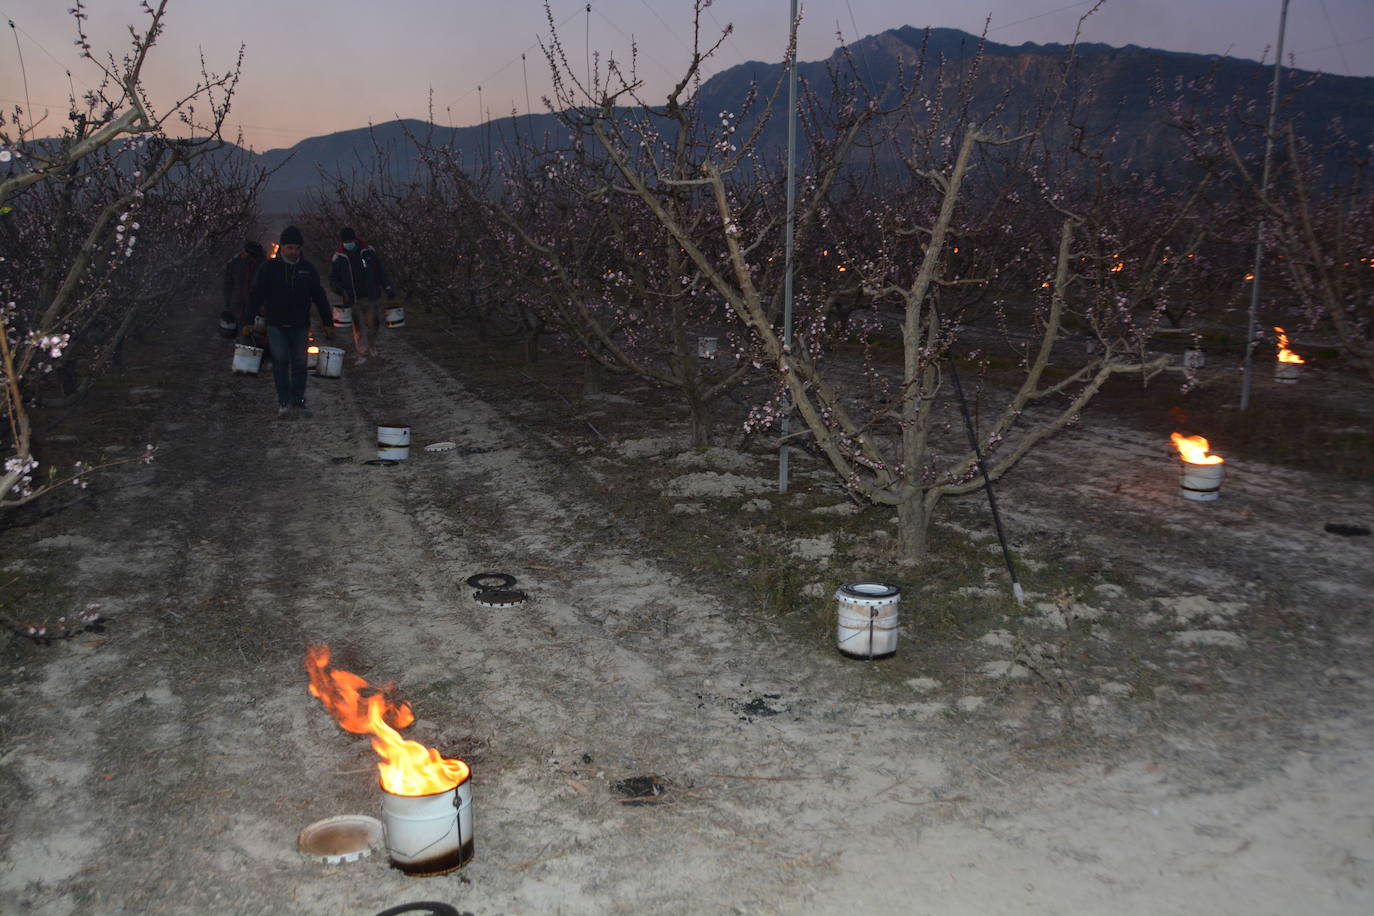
(283, 289)
(238, 280)
(356, 273)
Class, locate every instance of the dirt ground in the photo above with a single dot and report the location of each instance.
(1180, 722)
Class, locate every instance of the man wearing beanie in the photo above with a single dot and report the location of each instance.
(356, 273)
(283, 289)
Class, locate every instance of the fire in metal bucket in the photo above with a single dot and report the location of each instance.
(1201, 471)
(427, 798)
(1289, 365)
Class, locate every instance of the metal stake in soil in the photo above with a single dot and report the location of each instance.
(1016, 589)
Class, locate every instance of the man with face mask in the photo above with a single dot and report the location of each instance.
(356, 273)
(283, 289)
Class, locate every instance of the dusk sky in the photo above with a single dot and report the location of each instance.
(317, 66)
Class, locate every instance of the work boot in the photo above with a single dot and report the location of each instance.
(284, 412)
(303, 411)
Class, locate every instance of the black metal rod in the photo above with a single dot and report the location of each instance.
(1016, 589)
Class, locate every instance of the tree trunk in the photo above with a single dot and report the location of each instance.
(913, 526)
(701, 422)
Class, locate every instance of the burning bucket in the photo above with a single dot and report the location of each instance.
(1287, 373)
(1289, 365)
(1201, 471)
(393, 442)
(426, 798)
(395, 317)
(247, 360)
(429, 834)
(868, 613)
(329, 364)
(343, 316)
(1201, 482)
(228, 325)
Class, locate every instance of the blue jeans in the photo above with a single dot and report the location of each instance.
(288, 363)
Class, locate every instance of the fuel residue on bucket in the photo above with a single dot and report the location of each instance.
(867, 619)
(393, 442)
(429, 834)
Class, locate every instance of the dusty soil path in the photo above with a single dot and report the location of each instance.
(167, 764)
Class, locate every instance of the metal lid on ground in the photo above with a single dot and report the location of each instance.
(344, 838)
(499, 597)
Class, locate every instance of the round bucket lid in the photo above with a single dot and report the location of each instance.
(499, 597)
(345, 838)
(869, 593)
(441, 446)
(489, 580)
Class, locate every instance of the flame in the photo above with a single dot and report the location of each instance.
(407, 767)
(1194, 449)
(1286, 355)
(275, 248)
(312, 349)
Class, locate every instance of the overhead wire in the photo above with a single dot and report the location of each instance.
(39, 45)
(1340, 49)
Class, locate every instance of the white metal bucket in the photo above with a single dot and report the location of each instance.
(393, 442)
(429, 834)
(1287, 373)
(393, 434)
(868, 616)
(343, 316)
(228, 325)
(329, 364)
(312, 357)
(1201, 482)
(395, 317)
(247, 359)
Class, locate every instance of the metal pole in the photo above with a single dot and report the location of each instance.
(791, 231)
(1252, 326)
(1016, 591)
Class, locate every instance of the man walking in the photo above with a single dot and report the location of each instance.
(356, 273)
(238, 280)
(283, 289)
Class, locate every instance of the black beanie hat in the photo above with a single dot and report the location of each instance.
(253, 248)
(346, 234)
(291, 236)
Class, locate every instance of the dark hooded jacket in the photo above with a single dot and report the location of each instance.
(358, 274)
(286, 290)
(238, 282)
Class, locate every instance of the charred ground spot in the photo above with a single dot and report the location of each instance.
(760, 707)
(642, 790)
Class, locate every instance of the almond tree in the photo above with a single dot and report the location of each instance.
(635, 168)
(1321, 226)
(84, 198)
(890, 437)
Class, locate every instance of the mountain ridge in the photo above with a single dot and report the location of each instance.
(1118, 81)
